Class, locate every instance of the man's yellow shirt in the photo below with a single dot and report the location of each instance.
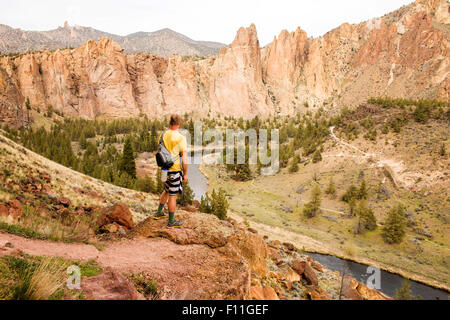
(175, 143)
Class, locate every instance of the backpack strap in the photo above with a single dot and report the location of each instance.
(161, 142)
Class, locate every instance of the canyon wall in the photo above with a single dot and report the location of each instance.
(402, 54)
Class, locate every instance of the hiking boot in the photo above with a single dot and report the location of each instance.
(159, 216)
(175, 224)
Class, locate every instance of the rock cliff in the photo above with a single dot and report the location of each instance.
(402, 54)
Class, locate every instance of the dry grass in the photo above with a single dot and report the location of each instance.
(47, 279)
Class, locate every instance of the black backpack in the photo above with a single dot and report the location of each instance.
(163, 157)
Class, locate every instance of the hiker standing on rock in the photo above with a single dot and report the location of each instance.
(172, 158)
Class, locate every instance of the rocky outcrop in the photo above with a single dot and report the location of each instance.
(11, 212)
(109, 285)
(402, 54)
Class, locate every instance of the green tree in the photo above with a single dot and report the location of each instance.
(351, 193)
(317, 157)
(294, 164)
(159, 182)
(352, 207)
(187, 197)
(216, 204)
(395, 225)
(331, 189)
(366, 218)
(127, 163)
(83, 141)
(362, 190)
(404, 292)
(312, 208)
(145, 185)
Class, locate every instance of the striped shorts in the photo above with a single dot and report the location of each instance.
(174, 183)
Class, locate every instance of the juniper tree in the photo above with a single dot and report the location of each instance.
(128, 164)
(187, 196)
(331, 189)
(366, 218)
(404, 292)
(362, 190)
(395, 225)
(312, 208)
(159, 182)
(294, 164)
(216, 204)
(317, 156)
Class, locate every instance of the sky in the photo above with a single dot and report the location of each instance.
(210, 20)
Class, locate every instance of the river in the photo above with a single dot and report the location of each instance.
(389, 282)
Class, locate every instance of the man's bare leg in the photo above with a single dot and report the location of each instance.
(172, 203)
(172, 207)
(162, 201)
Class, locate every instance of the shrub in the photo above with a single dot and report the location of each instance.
(149, 288)
(216, 204)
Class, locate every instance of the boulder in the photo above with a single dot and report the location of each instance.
(118, 213)
(4, 212)
(196, 204)
(14, 210)
(288, 274)
(288, 209)
(289, 246)
(64, 201)
(371, 294)
(316, 293)
(317, 266)
(263, 293)
(349, 289)
(304, 269)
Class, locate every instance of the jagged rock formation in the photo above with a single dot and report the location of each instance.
(162, 42)
(402, 54)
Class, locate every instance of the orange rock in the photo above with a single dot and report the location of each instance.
(119, 213)
(15, 209)
(304, 269)
(4, 212)
(270, 293)
(371, 294)
(349, 291)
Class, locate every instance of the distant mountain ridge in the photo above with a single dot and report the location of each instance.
(162, 42)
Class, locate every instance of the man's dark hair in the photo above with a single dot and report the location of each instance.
(175, 120)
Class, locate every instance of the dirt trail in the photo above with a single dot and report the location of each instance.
(392, 166)
(174, 266)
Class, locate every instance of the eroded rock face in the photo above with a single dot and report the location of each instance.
(403, 54)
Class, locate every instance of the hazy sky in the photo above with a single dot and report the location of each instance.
(198, 19)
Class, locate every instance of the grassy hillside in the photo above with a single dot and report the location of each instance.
(401, 164)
